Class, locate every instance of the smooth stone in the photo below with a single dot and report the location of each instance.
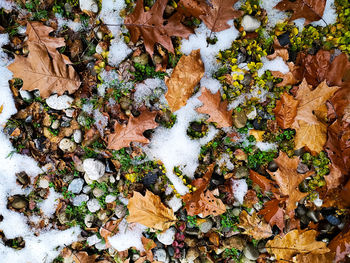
(66, 145)
(79, 199)
(26, 95)
(88, 220)
(333, 220)
(251, 252)
(110, 198)
(239, 119)
(59, 102)
(43, 183)
(86, 189)
(98, 192)
(55, 124)
(192, 254)
(94, 169)
(168, 237)
(241, 172)
(93, 205)
(76, 185)
(206, 226)
(142, 59)
(19, 202)
(77, 136)
(69, 112)
(160, 255)
(250, 24)
(312, 215)
(120, 211)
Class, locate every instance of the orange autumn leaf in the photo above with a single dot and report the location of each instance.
(132, 132)
(109, 229)
(273, 213)
(215, 108)
(148, 210)
(186, 75)
(254, 226)
(84, 257)
(286, 110)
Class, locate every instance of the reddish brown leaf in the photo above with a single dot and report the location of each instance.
(311, 10)
(286, 110)
(217, 109)
(83, 257)
(153, 28)
(132, 132)
(254, 226)
(340, 245)
(265, 184)
(273, 213)
(109, 230)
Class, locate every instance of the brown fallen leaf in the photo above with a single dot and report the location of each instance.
(83, 257)
(254, 226)
(132, 132)
(291, 78)
(286, 110)
(194, 8)
(150, 211)
(288, 180)
(109, 230)
(265, 184)
(315, 258)
(153, 28)
(273, 213)
(310, 132)
(340, 245)
(311, 10)
(217, 109)
(186, 75)
(39, 71)
(338, 73)
(295, 242)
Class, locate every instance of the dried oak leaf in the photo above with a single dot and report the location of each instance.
(340, 245)
(254, 226)
(286, 110)
(186, 75)
(311, 10)
(148, 210)
(296, 242)
(217, 109)
(288, 180)
(132, 132)
(265, 184)
(194, 8)
(338, 73)
(153, 28)
(83, 257)
(40, 71)
(39, 34)
(273, 213)
(310, 131)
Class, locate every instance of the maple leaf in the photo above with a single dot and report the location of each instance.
(217, 109)
(254, 226)
(273, 213)
(39, 34)
(148, 210)
(310, 132)
(132, 132)
(153, 28)
(296, 242)
(311, 10)
(286, 110)
(40, 71)
(288, 180)
(186, 75)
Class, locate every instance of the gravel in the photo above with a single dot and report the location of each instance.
(93, 168)
(93, 205)
(76, 185)
(168, 237)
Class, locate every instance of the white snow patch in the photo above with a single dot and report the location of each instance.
(276, 64)
(274, 15)
(62, 21)
(7, 5)
(174, 148)
(129, 235)
(266, 146)
(109, 13)
(48, 206)
(101, 121)
(239, 189)
(149, 90)
(329, 15)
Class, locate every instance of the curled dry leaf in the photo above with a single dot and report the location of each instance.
(340, 245)
(40, 71)
(286, 110)
(132, 132)
(217, 109)
(288, 180)
(265, 184)
(186, 75)
(148, 210)
(273, 213)
(109, 229)
(153, 28)
(296, 242)
(254, 226)
(83, 257)
(311, 10)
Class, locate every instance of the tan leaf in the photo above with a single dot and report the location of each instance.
(334, 178)
(312, 136)
(153, 28)
(186, 75)
(295, 242)
(291, 78)
(258, 135)
(314, 258)
(109, 229)
(83, 257)
(148, 210)
(254, 226)
(286, 110)
(39, 71)
(265, 184)
(132, 132)
(217, 109)
(288, 179)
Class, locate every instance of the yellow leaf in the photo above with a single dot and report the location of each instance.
(1, 108)
(148, 210)
(254, 226)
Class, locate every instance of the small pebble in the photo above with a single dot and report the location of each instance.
(59, 102)
(110, 198)
(168, 237)
(93, 205)
(77, 136)
(250, 24)
(55, 124)
(66, 145)
(206, 226)
(160, 255)
(251, 252)
(79, 199)
(93, 168)
(76, 185)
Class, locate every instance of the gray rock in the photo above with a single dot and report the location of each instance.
(76, 185)
(239, 119)
(59, 102)
(77, 136)
(79, 199)
(110, 198)
(97, 192)
(86, 189)
(88, 220)
(25, 95)
(93, 168)
(241, 172)
(250, 24)
(160, 255)
(251, 252)
(66, 145)
(55, 124)
(93, 205)
(120, 211)
(69, 112)
(168, 237)
(206, 226)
